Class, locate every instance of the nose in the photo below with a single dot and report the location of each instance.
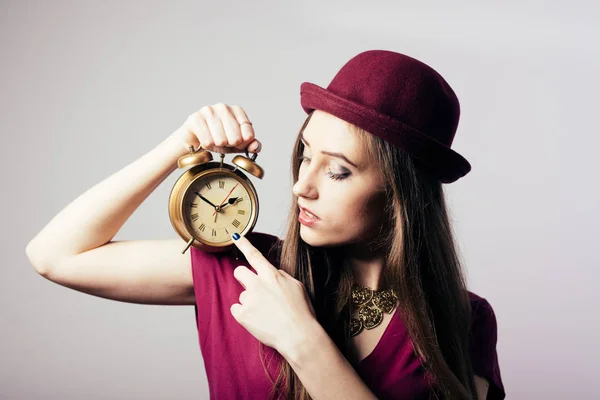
(305, 186)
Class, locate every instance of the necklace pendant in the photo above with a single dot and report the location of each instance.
(385, 301)
(361, 294)
(356, 326)
(371, 305)
(371, 317)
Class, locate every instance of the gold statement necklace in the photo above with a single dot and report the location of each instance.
(368, 306)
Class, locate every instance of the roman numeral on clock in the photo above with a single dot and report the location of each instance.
(202, 227)
(214, 233)
(242, 212)
(236, 223)
(194, 217)
(208, 185)
(221, 184)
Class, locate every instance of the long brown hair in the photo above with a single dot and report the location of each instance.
(422, 266)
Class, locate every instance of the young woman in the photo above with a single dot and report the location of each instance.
(363, 298)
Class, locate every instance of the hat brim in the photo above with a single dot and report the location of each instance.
(444, 162)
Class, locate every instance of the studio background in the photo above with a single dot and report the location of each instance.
(88, 87)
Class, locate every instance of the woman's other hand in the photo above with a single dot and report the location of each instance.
(220, 128)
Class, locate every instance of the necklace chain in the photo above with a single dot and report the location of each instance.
(368, 306)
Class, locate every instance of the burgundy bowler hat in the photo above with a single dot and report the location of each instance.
(399, 99)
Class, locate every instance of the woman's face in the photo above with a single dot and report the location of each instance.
(345, 194)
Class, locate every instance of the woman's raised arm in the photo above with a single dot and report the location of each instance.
(75, 248)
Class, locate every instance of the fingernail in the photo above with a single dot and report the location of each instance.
(235, 236)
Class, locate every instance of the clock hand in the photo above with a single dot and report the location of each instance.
(205, 199)
(232, 200)
(220, 205)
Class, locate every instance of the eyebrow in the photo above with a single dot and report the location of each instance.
(338, 155)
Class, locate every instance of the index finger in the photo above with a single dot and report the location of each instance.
(254, 257)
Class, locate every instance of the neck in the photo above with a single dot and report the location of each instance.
(367, 266)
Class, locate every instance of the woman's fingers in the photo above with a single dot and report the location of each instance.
(218, 129)
(255, 146)
(247, 130)
(232, 129)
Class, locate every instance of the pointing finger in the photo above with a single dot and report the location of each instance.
(254, 257)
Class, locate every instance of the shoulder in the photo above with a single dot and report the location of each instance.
(266, 243)
(262, 238)
(483, 338)
(269, 245)
(479, 304)
(483, 328)
(482, 313)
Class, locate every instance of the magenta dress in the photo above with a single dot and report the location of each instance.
(231, 354)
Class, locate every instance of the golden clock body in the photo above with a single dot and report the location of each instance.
(198, 222)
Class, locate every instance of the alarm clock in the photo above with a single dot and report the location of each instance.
(212, 200)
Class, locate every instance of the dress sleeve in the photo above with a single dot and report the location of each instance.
(215, 287)
(483, 337)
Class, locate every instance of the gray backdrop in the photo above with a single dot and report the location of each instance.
(88, 87)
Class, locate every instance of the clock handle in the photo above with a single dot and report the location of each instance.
(254, 155)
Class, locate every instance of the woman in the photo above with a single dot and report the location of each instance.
(364, 297)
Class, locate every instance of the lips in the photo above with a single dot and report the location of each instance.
(308, 212)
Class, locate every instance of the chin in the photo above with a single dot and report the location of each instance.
(314, 238)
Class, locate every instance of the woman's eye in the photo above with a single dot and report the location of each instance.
(337, 177)
(331, 175)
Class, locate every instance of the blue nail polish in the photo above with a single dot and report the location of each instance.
(235, 236)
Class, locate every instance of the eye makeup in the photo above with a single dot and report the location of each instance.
(334, 176)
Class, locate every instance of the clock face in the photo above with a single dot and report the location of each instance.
(216, 205)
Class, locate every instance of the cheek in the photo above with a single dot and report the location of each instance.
(349, 217)
(358, 212)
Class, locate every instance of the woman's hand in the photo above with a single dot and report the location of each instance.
(217, 128)
(274, 307)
